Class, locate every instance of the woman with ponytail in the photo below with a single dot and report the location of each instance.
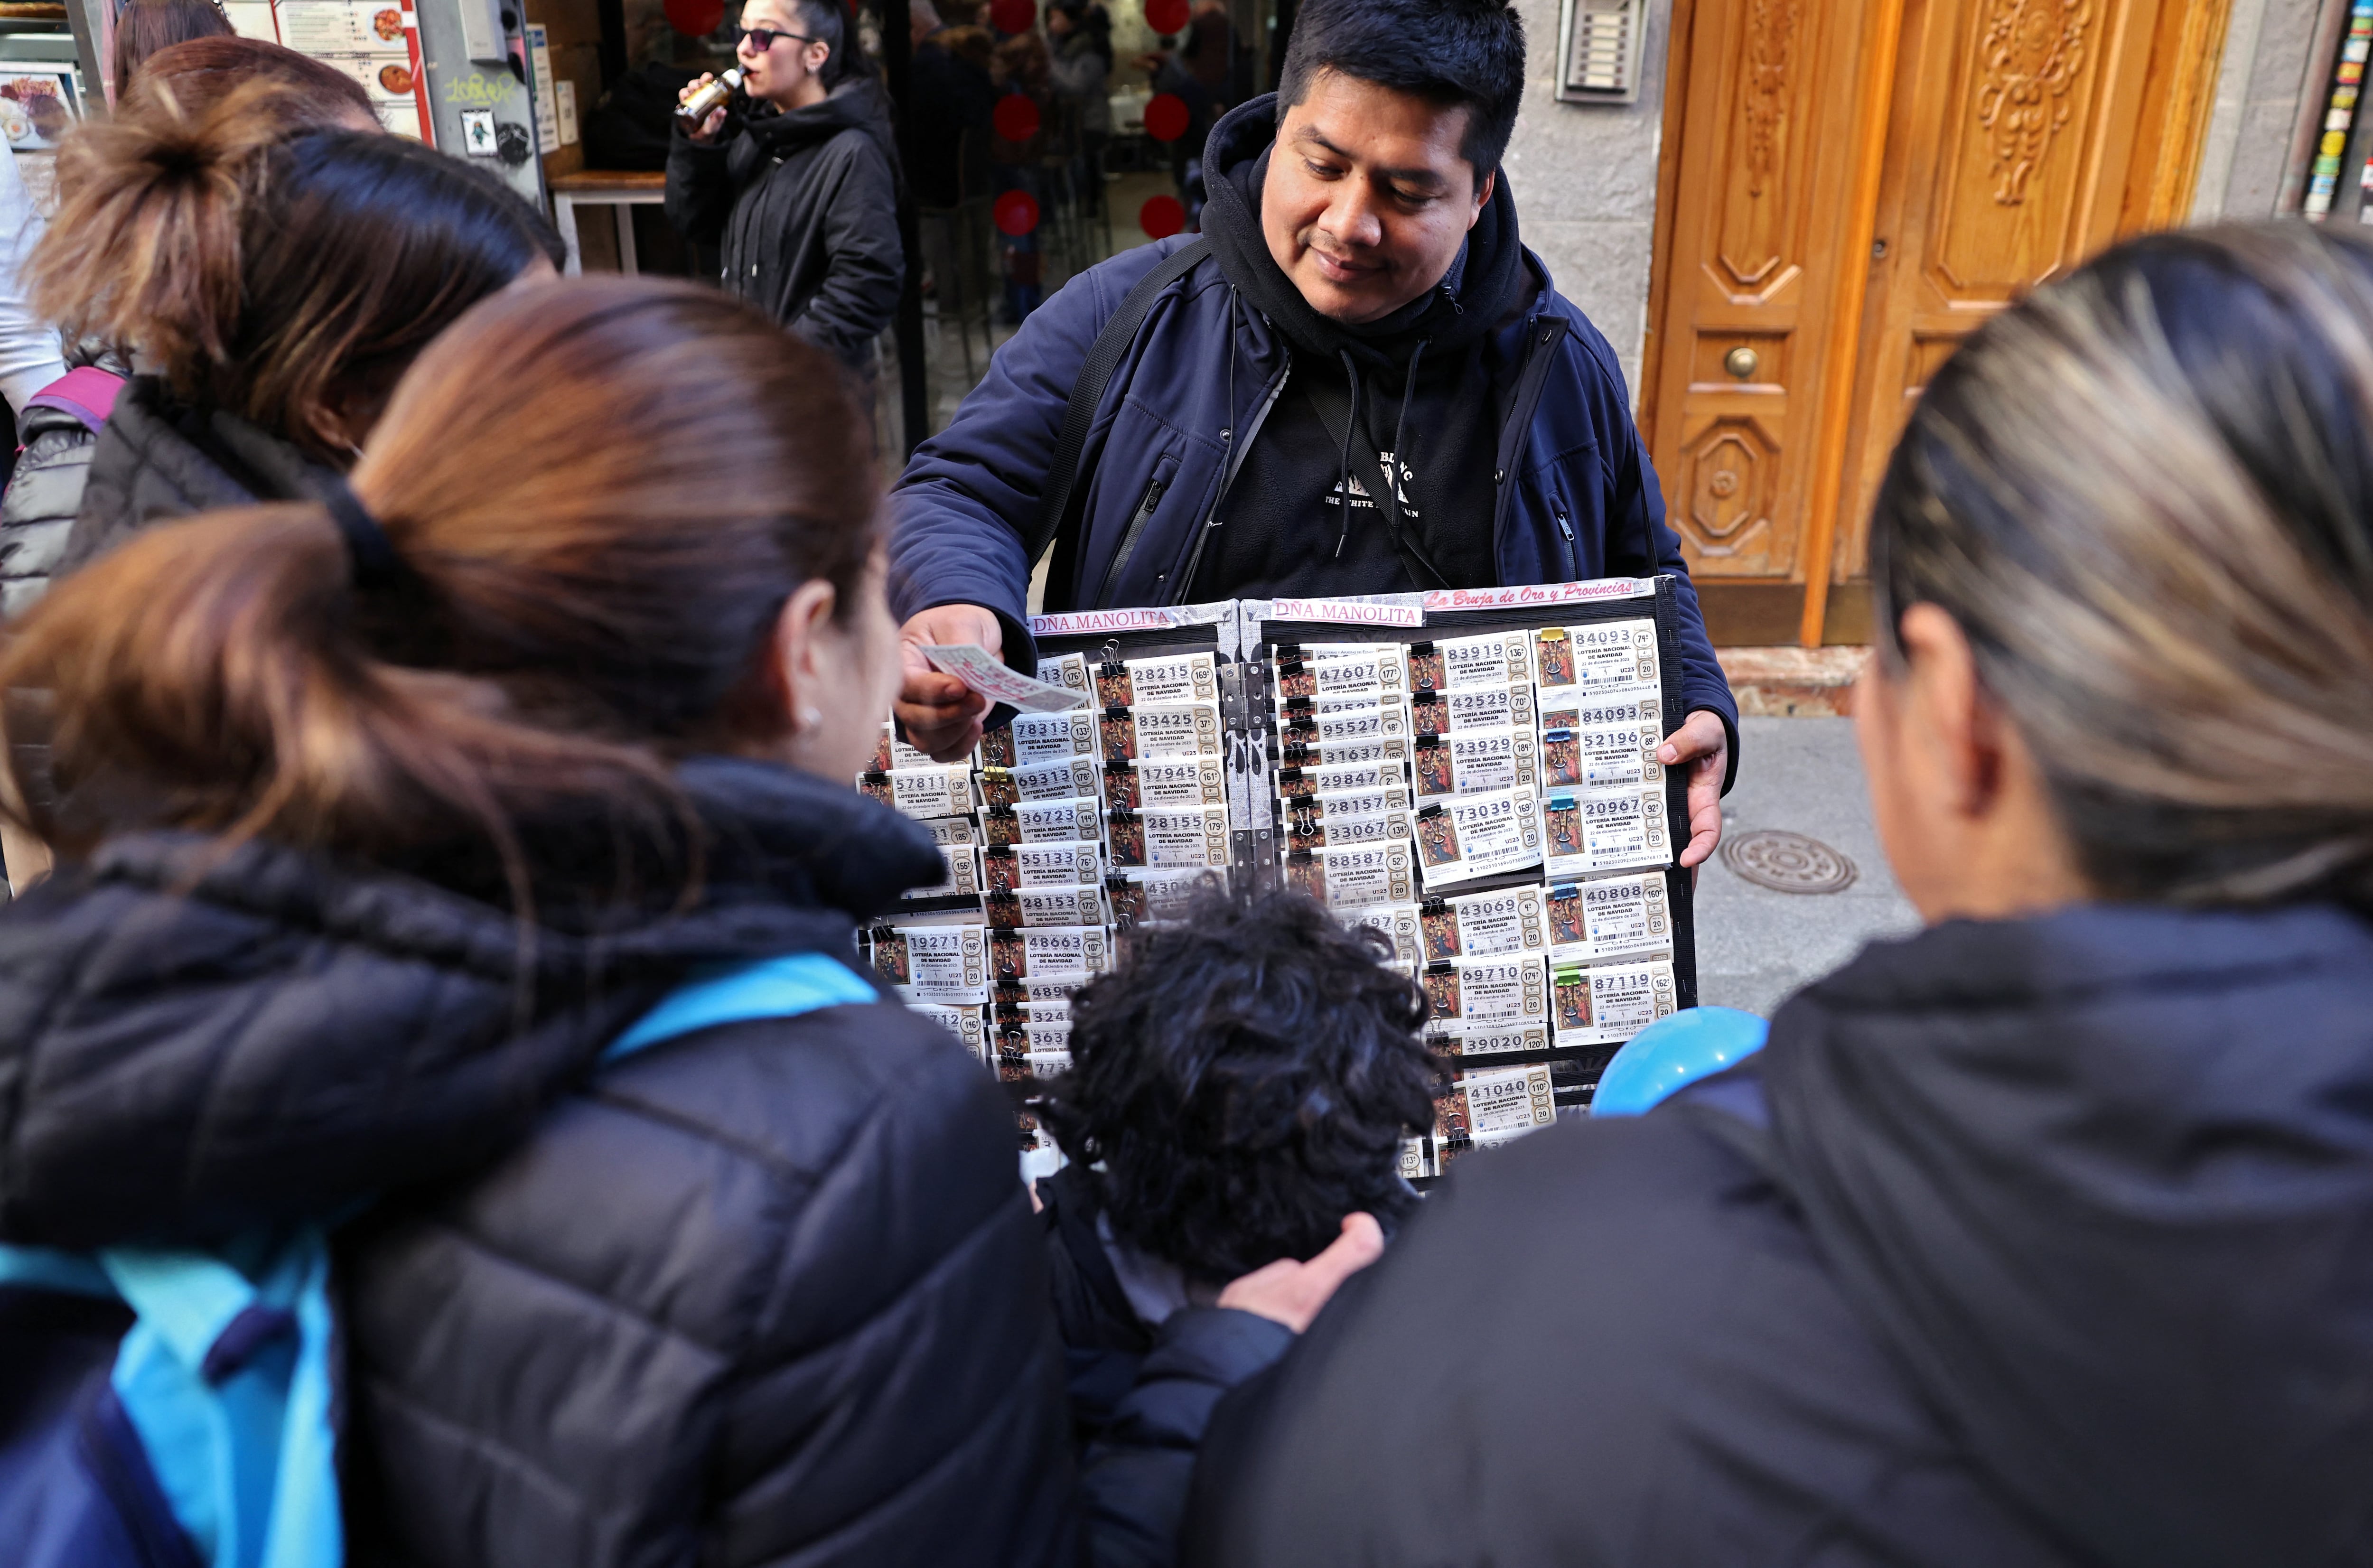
(381, 819)
(272, 288)
(59, 424)
(2040, 1236)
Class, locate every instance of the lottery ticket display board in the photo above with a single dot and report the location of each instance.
(1062, 833)
(1475, 776)
(1472, 775)
(375, 41)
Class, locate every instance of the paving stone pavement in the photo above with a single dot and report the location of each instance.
(1756, 946)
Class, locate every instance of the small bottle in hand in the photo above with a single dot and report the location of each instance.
(700, 107)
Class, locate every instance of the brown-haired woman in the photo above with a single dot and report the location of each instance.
(200, 74)
(273, 286)
(145, 27)
(2041, 1237)
(56, 435)
(382, 821)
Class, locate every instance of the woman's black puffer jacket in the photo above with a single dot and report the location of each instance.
(769, 1293)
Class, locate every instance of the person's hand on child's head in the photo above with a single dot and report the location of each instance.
(1293, 1293)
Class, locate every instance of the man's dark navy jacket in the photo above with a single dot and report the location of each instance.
(1576, 496)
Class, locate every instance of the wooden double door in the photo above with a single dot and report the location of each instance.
(1848, 189)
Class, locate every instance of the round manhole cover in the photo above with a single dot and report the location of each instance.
(1787, 862)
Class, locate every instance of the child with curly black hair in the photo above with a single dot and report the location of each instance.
(1239, 1091)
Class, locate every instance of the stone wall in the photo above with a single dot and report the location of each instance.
(2265, 69)
(1584, 177)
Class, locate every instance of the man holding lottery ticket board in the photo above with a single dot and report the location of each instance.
(1214, 417)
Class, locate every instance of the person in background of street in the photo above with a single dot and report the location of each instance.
(2037, 1238)
(1364, 301)
(385, 822)
(1239, 1091)
(38, 510)
(950, 96)
(1024, 67)
(1167, 73)
(144, 26)
(1081, 74)
(277, 285)
(1211, 53)
(796, 181)
(30, 356)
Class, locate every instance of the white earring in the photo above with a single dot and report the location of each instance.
(809, 719)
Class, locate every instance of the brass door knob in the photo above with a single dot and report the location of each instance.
(1742, 362)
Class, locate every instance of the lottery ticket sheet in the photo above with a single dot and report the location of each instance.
(1475, 781)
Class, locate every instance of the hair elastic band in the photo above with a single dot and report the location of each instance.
(375, 564)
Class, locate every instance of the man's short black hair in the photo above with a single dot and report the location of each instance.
(1448, 51)
(1246, 1077)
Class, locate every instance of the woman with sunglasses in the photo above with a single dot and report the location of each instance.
(796, 181)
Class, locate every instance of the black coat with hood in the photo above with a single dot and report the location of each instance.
(803, 207)
(2037, 1242)
(157, 459)
(767, 1294)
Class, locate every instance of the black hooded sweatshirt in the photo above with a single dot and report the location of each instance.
(1425, 385)
(804, 209)
(2054, 1246)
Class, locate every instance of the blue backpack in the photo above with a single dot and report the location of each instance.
(175, 1410)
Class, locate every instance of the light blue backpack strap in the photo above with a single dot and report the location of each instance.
(45, 1268)
(1673, 1053)
(308, 1526)
(238, 1429)
(767, 987)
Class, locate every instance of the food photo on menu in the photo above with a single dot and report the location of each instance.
(37, 106)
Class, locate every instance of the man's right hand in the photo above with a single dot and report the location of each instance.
(705, 132)
(942, 714)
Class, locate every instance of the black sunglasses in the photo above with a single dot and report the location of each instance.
(763, 38)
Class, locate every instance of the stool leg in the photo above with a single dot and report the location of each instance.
(564, 214)
(627, 263)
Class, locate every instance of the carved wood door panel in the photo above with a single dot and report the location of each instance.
(2012, 143)
(1747, 274)
(1848, 189)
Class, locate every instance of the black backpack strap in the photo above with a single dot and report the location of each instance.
(1056, 509)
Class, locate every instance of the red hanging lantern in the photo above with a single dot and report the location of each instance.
(1166, 15)
(1013, 16)
(696, 18)
(1016, 213)
(1166, 116)
(1016, 117)
(1161, 216)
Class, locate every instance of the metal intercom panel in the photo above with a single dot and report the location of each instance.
(1600, 45)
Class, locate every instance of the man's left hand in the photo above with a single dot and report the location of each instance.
(1701, 746)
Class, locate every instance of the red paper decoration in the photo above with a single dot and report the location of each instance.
(1016, 213)
(1016, 117)
(1166, 15)
(696, 18)
(1166, 117)
(1161, 216)
(1013, 16)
